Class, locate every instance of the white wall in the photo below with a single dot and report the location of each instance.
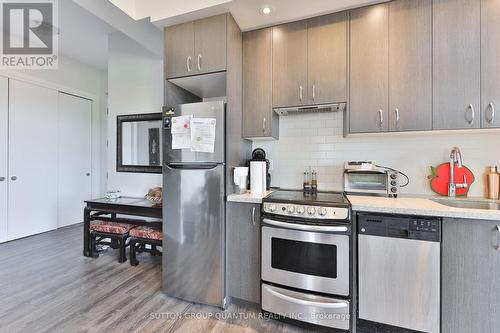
(82, 80)
(316, 140)
(135, 85)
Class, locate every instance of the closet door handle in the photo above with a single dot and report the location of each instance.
(13, 178)
(380, 118)
(472, 113)
(491, 118)
(188, 63)
(199, 62)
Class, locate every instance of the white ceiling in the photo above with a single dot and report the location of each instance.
(246, 12)
(82, 36)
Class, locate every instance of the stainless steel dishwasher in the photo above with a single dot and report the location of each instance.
(399, 271)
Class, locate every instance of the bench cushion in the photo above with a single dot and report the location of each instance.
(110, 227)
(146, 232)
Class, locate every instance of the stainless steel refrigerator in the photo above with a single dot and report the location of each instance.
(194, 185)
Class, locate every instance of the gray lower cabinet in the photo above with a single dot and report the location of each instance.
(243, 251)
(470, 297)
(456, 64)
(369, 57)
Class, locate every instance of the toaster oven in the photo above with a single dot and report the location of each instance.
(375, 181)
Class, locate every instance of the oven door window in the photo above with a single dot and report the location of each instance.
(308, 258)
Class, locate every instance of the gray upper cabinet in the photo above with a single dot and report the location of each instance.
(456, 63)
(490, 63)
(410, 65)
(470, 298)
(179, 50)
(210, 44)
(243, 251)
(259, 119)
(369, 56)
(290, 64)
(327, 59)
(196, 47)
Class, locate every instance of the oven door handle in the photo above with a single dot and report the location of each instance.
(304, 227)
(290, 299)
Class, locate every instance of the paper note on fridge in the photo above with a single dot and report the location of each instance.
(181, 132)
(203, 135)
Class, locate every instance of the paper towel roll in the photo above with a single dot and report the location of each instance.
(258, 177)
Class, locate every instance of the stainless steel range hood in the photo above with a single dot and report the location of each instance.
(332, 107)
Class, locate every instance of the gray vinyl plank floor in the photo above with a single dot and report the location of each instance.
(47, 285)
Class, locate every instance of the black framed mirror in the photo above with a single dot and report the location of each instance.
(139, 143)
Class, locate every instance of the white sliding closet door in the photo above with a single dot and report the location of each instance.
(4, 141)
(75, 182)
(32, 159)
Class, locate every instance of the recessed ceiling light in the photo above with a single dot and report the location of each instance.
(265, 10)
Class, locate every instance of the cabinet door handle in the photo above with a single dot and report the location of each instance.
(253, 216)
(313, 92)
(2, 179)
(491, 106)
(188, 63)
(13, 178)
(199, 62)
(380, 118)
(497, 247)
(472, 114)
(300, 93)
(397, 117)
(263, 124)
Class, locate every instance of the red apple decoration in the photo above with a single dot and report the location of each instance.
(440, 178)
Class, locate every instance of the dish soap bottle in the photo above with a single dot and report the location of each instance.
(493, 183)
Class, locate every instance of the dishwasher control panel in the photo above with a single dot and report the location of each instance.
(400, 226)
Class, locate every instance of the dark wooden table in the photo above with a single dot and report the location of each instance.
(123, 206)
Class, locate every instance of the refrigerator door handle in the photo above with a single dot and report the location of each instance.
(207, 166)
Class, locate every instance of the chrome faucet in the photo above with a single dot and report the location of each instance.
(455, 157)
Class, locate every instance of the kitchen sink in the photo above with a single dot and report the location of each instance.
(469, 204)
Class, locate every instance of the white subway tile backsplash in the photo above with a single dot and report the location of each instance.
(316, 140)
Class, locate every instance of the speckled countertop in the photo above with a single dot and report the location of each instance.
(420, 205)
(248, 197)
(407, 205)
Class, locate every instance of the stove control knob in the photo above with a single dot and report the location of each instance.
(291, 209)
(272, 208)
(323, 211)
(300, 210)
(311, 210)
